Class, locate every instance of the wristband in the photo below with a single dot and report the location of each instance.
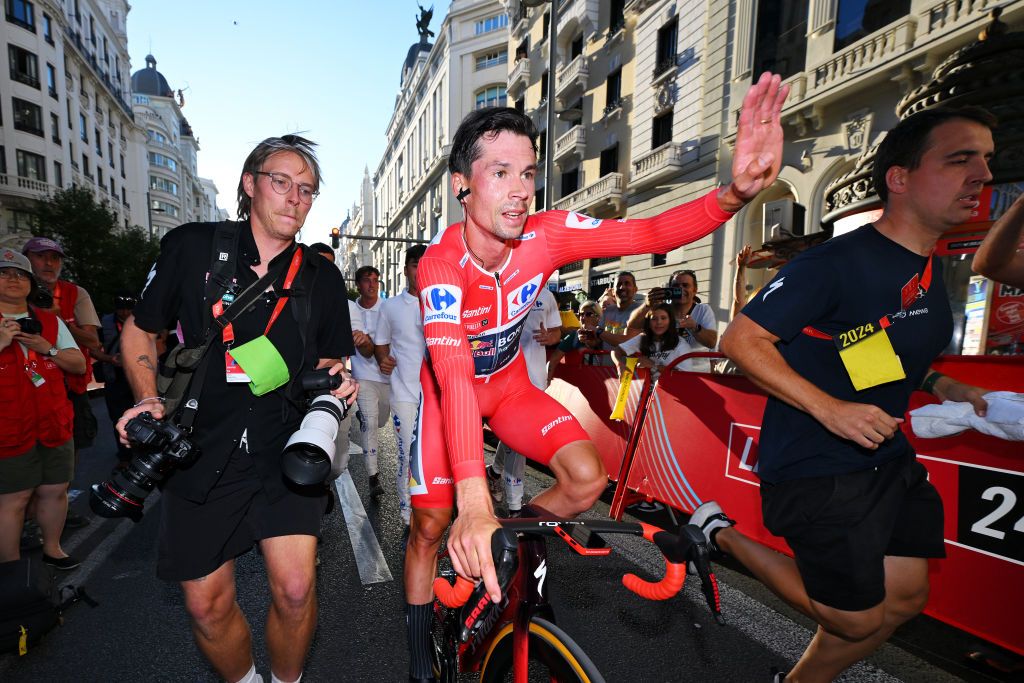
(928, 385)
(148, 399)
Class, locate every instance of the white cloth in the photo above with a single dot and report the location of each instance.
(374, 401)
(365, 320)
(404, 419)
(544, 311)
(1004, 418)
(401, 326)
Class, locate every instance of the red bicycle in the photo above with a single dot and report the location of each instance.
(517, 639)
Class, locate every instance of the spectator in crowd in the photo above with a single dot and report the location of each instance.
(657, 345)
(37, 459)
(584, 337)
(74, 305)
(117, 392)
(1001, 255)
(374, 389)
(235, 496)
(324, 250)
(543, 327)
(399, 349)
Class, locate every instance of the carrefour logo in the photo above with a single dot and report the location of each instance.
(441, 303)
(578, 220)
(522, 297)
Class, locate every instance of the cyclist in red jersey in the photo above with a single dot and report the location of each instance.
(478, 281)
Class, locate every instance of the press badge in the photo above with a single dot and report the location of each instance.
(868, 356)
(235, 373)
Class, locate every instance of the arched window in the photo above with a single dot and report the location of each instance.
(491, 96)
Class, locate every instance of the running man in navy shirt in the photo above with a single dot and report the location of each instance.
(839, 339)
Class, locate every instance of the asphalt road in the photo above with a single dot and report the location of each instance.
(139, 630)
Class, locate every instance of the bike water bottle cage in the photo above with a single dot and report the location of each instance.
(475, 613)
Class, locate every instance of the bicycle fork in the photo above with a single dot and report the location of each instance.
(532, 585)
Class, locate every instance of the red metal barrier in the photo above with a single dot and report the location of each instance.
(699, 439)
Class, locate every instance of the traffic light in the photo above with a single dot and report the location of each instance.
(335, 238)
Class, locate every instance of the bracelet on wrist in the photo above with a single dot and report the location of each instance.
(159, 399)
(928, 385)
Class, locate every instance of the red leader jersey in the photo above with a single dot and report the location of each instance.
(473, 318)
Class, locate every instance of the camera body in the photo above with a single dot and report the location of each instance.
(41, 299)
(162, 447)
(30, 326)
(673, 293)
(309, 455)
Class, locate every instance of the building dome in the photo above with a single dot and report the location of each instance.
(149, 81)
(410, 58)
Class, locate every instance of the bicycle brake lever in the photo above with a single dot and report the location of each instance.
(504, 549)
(699, 554)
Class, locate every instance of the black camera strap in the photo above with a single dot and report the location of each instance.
(190, 404)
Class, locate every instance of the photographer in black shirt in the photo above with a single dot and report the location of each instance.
(234, 495)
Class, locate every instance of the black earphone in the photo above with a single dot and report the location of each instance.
(463, 192)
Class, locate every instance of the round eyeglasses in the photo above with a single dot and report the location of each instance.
(282, 184)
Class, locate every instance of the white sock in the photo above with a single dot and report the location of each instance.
(275, 679)
(252, 676)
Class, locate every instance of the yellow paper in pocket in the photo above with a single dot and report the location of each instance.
(619, 411)
(868, 356)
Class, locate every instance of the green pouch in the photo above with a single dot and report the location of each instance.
(264, 365)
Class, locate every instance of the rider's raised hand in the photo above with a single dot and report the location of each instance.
(757, 157)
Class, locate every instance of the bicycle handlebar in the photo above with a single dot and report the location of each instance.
(688, 546)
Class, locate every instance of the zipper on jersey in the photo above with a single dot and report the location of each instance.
(497, 337)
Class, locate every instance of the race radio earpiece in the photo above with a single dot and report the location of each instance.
(463, 192)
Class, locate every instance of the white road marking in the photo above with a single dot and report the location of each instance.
(373, 568)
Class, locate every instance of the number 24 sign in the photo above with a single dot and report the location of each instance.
(991, 511)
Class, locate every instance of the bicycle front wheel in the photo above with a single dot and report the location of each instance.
(554, 656)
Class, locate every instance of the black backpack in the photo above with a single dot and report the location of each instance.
(28, 608)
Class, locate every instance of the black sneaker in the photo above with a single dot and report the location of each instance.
(495, 484)
(62, 563)
(375, 488)
(76, 521)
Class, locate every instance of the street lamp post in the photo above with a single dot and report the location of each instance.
(549, 136)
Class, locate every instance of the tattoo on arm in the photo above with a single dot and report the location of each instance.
(145, 362)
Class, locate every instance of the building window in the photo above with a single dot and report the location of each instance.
(489, 59)
(542, 144)
(23, 221)
(661, 131)
(576, 47)
(658, 260)
(164, 185)
(494, 96)
(55, 128)
(538, 199)
(99, 174)
(781, 37)
(51, 81)
(570, 181)
(31, 165)
(3, 160)
(96, 141)
(165, 208)
(668, 37)
(546, 27)
(85, 165)
(83, 131)
(28, 117)
(613, 91)
(24, 66)
(544, 87)
(48, 28)
(58, 174)
(610, 160)
(156, 159)
(520, 105)
(22, 13)
(110, 153)
(617, 16)
(122, 167)
(113, 189)
(492, 23)
(854, 21)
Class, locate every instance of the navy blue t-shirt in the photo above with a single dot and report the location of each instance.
(850, 280)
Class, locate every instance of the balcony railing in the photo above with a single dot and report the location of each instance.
(570, 143)
(875, 50)
(571, 77)
(519, 78)
(662, 162)
(949, 14)
(25, 187)
(609, 189)
(74, 37)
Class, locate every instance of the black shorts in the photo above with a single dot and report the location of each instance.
(197, 538)
(85, 426)
(841, 528)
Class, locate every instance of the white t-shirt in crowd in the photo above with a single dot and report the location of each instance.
(401, 326)
(705, 317)
(365, 320)
(545, 310)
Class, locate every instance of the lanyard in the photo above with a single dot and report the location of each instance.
(917, 284)
(228, 332)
